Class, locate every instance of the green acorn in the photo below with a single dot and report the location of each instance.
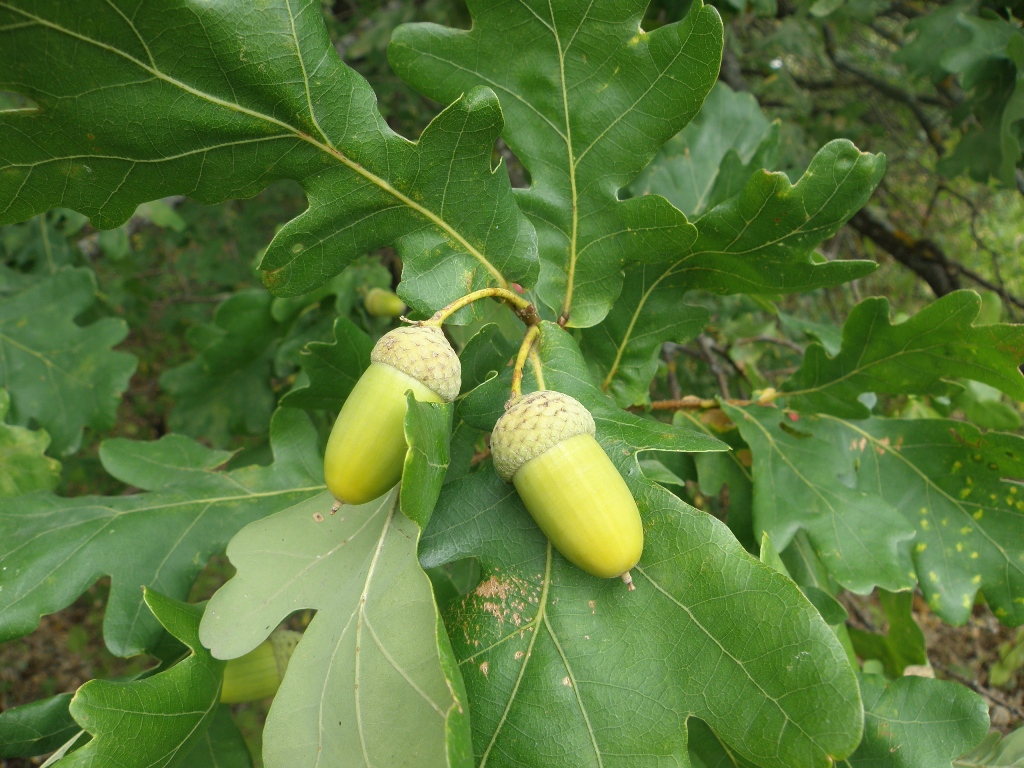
(382, 303)
(258, 674)
(544, 444)
(366, 450)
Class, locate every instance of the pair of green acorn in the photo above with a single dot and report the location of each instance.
(544, 444)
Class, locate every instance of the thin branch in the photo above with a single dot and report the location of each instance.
(707, 347)
(771, 340)
(980, 690)
(1003, 293)
(924, 257)
(980, 242)
(669, 354)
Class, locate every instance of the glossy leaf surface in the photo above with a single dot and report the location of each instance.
(588, 99)
(552, 657)
(123, 117)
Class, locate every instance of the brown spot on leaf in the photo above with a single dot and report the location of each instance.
(493, 588)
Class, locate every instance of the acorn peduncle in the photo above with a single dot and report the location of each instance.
(524, 310)
(524, 350)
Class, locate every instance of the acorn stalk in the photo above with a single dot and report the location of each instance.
(366, 450)
(545, 445)
(258, 674)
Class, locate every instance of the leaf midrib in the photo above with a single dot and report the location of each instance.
(861, 367)
(538, 617)
(735, 660)
(835, 518)
(324, 146)
(674, 268)
(574, 198)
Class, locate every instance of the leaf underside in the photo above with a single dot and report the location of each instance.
(373, 680)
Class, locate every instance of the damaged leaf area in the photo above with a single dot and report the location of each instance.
(552, 657)
(937, 502)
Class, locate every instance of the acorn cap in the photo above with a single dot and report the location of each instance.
(422, 351)
(532, 425)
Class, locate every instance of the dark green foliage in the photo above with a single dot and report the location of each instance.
(785, 434)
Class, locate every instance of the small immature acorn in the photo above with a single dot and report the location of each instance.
(544, 444)
(258, 674)
(366, 450)
(382, 303)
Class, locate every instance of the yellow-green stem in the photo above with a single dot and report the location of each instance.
(522, 307)
(524, 351)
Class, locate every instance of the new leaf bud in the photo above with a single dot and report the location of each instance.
(382, 303)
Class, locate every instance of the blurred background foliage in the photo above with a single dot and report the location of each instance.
(938, 87)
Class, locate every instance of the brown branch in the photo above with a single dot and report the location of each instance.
(1003, 293)
(707, 347)
(922, 256)
(669, 354)
(686, 403)
(771, 340)
(1000, 286)
(980, 690)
